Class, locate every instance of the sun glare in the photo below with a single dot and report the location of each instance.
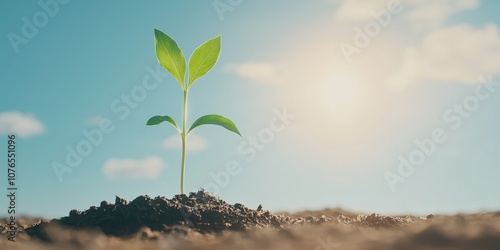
(340, 94)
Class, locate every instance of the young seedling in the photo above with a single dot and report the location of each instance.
(202, 60)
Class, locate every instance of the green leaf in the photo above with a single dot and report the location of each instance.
(170, 56)
(216, 120)
(203, 59)
(155, 120)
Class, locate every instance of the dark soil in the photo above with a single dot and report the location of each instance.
(200, 212)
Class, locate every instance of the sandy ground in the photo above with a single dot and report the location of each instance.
(473, 231)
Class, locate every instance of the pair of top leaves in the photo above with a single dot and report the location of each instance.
(202, 60)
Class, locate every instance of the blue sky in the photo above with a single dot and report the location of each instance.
(361, 82)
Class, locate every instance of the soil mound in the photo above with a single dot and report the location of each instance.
(201, 212)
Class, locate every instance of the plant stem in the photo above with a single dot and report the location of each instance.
(183, 136)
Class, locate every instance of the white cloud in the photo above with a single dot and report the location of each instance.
(94, 120)
(422, 14)
(126, 169)
(458, 54)
(24, 125)
(358, 10)
(195, 143)
(261, 72)
(431, 13)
